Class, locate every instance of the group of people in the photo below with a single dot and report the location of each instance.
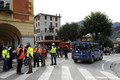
(62, 51)
(27, 54)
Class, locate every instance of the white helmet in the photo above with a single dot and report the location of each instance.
(53, 44)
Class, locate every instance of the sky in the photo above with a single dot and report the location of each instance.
(6, 0)
(76, 10)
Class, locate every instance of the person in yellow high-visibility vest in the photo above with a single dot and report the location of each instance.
(29, 57)
(5, 56)
(53, 54)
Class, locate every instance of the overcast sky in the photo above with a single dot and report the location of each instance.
(76, 10)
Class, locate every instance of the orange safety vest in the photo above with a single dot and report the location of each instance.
(40, 50)
(35, 50)
(22, 54)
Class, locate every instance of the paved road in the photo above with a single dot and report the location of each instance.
(68, 70)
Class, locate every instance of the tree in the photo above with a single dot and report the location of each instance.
(68, 32)
(97, 23)
(105, 41)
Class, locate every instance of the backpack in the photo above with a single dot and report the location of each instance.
(43, 52)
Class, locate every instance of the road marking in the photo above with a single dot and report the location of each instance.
(112, 60)
(101, 77)
(8, 73)
(109, 75)
(66, 73)
(86, 74)
(24, 76)
(47, 73)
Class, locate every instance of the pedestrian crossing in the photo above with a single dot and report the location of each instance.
(65, 71)
(25, 76)
(47, 73)
(87, 75)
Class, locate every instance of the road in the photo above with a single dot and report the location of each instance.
(66, 69)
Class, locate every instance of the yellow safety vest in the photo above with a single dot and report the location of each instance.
(30, 51)
(6, 53)
(53, 50)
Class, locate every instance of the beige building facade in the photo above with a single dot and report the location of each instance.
(16, 27)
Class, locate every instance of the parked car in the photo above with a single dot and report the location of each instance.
(86, 51)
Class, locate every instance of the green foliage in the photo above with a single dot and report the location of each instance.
(105, 41)
(97, 23)
(6, 10)
(68, 32)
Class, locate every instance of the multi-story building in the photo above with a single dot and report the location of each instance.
(46, 27)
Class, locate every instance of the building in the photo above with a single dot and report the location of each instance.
(16, 22)
(46, 27)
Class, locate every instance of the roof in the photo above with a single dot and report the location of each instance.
(116, 41)
(48, 15)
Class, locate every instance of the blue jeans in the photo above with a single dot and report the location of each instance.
(5, 65)
(25, 61)
(53, 56)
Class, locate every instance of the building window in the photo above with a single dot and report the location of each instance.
(51, 30)
(45, 29)
(36, 38)
(5, 4)
(38, 23)
(55, 18)
(45, 23)
(45, 17)
(38, 17)
(48, 37)
(38, 30)
(41, 37)
(56, 24)
(56, 37)
(50, 17)
(56, 30)
(50, 24)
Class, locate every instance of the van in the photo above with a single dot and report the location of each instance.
(86, 51)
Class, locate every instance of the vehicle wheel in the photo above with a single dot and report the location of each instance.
(101, 57)
(75, 61)
(92, 60)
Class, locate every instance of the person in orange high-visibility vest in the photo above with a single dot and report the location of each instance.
(20, 56)
(42, 51)
(36, 56)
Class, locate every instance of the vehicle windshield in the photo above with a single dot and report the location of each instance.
(94, 46)
(80, 46)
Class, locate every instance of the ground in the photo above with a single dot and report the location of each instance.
(66, 69)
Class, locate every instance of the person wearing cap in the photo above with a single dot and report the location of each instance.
(53, 54)
(29, 57)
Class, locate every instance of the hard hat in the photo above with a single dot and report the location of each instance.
(53, 43)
